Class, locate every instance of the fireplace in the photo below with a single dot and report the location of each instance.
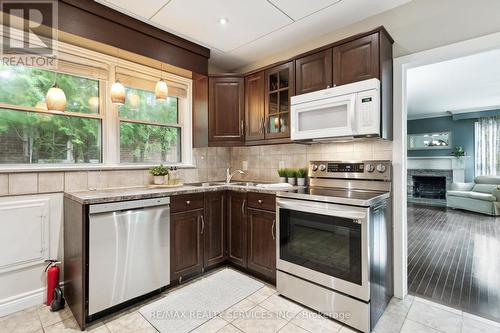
(431, 187)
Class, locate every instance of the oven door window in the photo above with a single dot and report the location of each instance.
(326, 244)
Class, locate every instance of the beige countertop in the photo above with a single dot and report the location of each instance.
(144, 192)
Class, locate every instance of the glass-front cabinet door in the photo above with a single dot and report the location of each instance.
(279, 88)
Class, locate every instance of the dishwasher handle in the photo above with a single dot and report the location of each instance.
(128, 205)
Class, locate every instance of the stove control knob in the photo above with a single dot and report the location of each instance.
(381, 168)
(314, 167)
(370, 168)
(322, 167)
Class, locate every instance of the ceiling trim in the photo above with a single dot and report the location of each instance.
(480, 109)
(429, 115)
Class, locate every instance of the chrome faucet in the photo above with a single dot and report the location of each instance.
(230, 174)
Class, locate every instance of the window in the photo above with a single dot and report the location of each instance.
(91, 131)
(487, 146)
(29, 134)
(150, 130)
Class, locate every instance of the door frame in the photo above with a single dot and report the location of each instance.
(399, 152)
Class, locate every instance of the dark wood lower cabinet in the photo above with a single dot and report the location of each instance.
(262, 242)
(186, 244)
(230, 226)
(214, 230)
(237, 228)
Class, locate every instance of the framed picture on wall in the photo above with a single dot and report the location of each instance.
(425, 141)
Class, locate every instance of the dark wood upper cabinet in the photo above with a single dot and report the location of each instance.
(356, 60)
(254, 107)
(226, 110)
(237, 228)
(214, 229)
(279, 88)
(313, 72)
(262, 242)
(186, 257)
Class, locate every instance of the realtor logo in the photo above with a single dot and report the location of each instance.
(29, 32)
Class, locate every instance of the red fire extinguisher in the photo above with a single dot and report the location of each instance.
(52, 279)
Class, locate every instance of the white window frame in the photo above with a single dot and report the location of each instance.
(108, 113)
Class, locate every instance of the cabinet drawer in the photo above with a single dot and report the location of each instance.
(264, 201)
(179, 203)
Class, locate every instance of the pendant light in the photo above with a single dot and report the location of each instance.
(117, 89)
(161, 89)
(55, 98)
(117, 93)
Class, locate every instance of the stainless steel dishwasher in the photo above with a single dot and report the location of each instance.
(129, 250)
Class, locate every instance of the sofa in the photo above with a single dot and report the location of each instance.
(482, 196)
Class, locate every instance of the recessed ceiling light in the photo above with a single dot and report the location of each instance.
(223, 20)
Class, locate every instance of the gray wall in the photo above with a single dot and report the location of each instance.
(462, 134)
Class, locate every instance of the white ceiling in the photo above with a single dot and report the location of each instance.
(256, 28)
(465, 84)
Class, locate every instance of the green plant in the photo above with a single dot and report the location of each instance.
(301, 173)
(458, 151)
(282, 172)
(159, 170)
(291, 173)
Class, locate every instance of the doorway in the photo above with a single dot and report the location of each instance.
(419, 234)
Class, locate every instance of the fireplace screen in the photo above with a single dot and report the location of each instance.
(429, 187)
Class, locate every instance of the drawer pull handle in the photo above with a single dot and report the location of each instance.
(188, 202)
(259, 201)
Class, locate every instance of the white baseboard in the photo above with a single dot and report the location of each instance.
(22, 301)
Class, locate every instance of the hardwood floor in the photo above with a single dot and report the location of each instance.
(454, 258)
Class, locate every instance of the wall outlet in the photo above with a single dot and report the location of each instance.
(244, 165)
(281, 164)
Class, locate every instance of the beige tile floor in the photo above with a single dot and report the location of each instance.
(262, 312)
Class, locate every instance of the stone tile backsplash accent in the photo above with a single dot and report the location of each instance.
(211, 164)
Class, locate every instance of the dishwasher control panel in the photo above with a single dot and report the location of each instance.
(128, 205)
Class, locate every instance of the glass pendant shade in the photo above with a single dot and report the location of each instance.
(161, 90)
(55, 99)
(118, 93)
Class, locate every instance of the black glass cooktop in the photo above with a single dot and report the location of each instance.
(333, 195)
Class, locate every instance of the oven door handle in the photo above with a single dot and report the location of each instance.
(356, 216)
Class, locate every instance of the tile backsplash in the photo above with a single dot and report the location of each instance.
(211, 163)
(264, 161)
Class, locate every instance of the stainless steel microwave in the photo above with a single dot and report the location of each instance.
(348, 111)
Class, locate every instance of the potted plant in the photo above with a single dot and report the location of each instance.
(458, 151)
(282, 174)
(159, 172)
(291, 174)
(301, 176)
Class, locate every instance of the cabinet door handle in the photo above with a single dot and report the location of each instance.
(202, 224)
(266, 126)
(261, 121)
(272, 230)
(243, 207)
(242, 125)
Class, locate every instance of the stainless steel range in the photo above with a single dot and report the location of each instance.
(334, 249)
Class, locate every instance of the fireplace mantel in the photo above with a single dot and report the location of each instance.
(457, 165)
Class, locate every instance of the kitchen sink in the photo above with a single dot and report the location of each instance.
(207, 184)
